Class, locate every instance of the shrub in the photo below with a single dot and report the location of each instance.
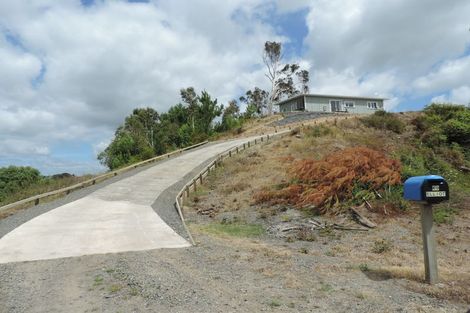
(16, 178)
(384, 120)
(444, 123)
(324, 183)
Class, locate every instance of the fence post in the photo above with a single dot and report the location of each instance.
(187, 191)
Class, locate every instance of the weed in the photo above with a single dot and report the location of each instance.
(364, 267)
(115, 288)
(325, 287)
(134, 291)
(381, 246)
(274, 303)
(286, 218)
(303, 250)
(98, 280)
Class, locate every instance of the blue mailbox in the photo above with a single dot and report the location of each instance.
(430, 188)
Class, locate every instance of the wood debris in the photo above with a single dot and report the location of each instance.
(211, 212)
(362, 219)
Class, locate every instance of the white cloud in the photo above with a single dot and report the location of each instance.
(451, 74)
(459, 95)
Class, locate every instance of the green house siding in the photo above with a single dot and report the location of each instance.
(319, 103)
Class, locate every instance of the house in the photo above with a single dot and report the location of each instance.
(331, 103)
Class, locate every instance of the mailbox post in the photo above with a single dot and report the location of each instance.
(427, 190)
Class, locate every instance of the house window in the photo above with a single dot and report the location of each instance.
(348, 104)
(372, 105)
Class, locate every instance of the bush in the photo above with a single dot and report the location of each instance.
(384, 120)
(444, 123)
(324, 183)
(15, 178)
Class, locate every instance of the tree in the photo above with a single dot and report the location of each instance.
(272, 60)
(230, 117)
(282, 76)
(256, 99)
(189, 96)
(207, 111)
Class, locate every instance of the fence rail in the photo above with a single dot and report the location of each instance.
(35, 200)
(198, 179)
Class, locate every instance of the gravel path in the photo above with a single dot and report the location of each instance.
(299, 117)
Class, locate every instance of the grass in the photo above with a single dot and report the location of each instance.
(233, 230)
(444, 215)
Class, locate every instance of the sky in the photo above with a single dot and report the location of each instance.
(71, 70)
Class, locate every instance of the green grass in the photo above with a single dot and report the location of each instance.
(444, 215)
(233, 230)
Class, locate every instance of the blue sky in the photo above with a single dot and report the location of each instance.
(72, 70)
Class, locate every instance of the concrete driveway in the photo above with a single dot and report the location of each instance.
(115, 218)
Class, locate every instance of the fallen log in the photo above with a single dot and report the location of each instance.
(362, 219)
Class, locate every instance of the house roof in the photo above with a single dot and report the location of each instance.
(329, 96)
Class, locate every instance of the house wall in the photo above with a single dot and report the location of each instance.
(322, 104)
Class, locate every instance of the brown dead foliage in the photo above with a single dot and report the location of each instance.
(330, 180)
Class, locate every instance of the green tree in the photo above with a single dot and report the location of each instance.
(207, 111)
(256, 101)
